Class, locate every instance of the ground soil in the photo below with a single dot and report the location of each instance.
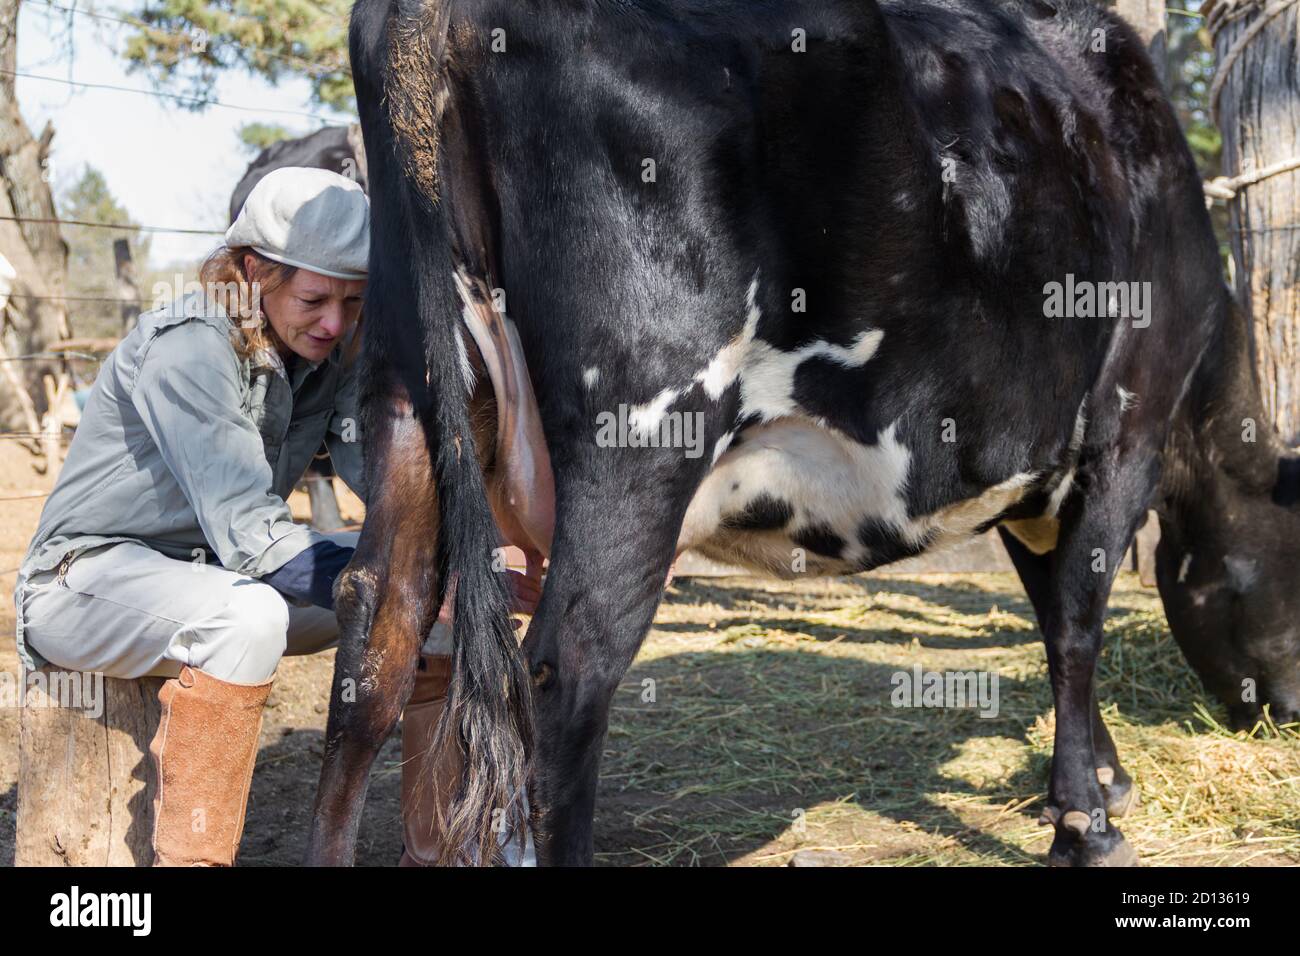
(756, 728)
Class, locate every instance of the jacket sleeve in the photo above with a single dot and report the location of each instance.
(187, 395)
(308, 578)
(343, 438)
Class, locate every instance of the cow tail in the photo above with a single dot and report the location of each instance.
(488, 715)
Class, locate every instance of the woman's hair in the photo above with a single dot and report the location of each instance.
(225, 280)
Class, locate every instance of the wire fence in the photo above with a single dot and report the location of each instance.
(45, 356)
(115, 300)
(304, 65)
(111, 225)
(161, 94)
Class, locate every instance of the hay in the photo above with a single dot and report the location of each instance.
(771, 732)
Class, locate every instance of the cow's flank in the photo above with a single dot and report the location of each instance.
(827, 230)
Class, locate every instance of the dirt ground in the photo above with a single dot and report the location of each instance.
(756, 728)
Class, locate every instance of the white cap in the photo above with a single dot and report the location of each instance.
(311, 218)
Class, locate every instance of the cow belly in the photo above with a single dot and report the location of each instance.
(792, 497)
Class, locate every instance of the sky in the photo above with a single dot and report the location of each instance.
(166, 165)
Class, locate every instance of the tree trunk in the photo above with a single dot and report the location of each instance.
(1148, 18)
(36, 250)
(1259, 116)
(85, 784)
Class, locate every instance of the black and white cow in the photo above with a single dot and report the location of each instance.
(917, 268)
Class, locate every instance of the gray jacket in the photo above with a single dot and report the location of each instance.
(187, 448)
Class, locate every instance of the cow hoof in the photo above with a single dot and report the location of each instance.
(1108, 848)
(1117, 789)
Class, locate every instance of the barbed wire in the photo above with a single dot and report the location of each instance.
(37, 356)
(112, 225)
(82, 298)
(315, 69)
(199, 101)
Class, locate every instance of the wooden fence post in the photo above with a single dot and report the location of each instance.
(127, 288)
(1256, 93)
(85, 783)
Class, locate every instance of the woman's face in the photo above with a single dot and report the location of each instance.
(310, 313)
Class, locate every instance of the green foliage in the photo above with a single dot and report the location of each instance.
(189, 42)
(1191, 71)
(257, 136)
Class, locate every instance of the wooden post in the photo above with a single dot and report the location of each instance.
(1148, 18)
(1257, 94)
(25, 404)
(127, 289)
(85, 781)
(56, 390)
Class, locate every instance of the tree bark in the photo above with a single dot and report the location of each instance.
(85, 783)
(36, 250)
(1148, 18)
(1259, 116)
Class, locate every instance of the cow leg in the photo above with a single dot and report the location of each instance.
(1116, 784)
(384, 601)
(608, 566)
(1070, 589)
(1098, 524)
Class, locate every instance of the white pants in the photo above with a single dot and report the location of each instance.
(128, 611)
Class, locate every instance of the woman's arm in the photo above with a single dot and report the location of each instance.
(188, 397)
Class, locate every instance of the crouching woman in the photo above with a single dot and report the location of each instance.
(167, 547)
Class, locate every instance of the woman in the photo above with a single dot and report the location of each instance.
(167, 547)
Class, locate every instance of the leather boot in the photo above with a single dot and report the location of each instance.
(203, 757)
(426, 783)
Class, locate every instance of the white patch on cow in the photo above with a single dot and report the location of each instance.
(957, 522)
(1126, 398)
(766, 374)
(767, 380)
(722, 445)
(1080, 427)
(726, 365)
(826, 478)
(1059, 494)
(462, 281)
(716, 377)
(1184, 567)
(830, 481)
(590, 376)
(645, 418)
(462, 355)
